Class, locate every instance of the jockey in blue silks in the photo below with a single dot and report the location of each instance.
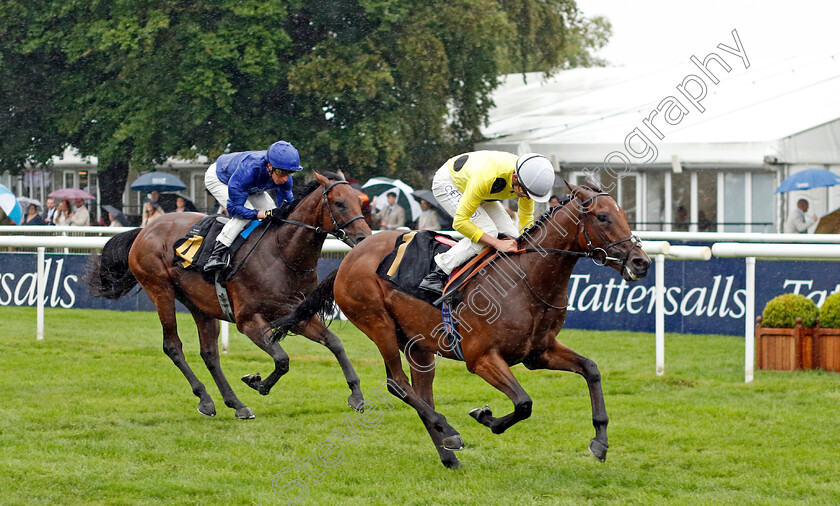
(240, 182)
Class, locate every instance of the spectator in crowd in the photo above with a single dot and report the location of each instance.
(151, 212)
(62, 213)
(80, 217)
(180, 205)
(429, 219)
(49, 215)
(798, 222)
(391, 216)
(32, 217)
(553, 201)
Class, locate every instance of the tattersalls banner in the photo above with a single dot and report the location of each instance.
(700, 297)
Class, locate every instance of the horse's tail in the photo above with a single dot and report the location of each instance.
(321, 302)
(108, 273)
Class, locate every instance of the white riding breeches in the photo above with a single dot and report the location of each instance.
(259, 201)
(490, 217)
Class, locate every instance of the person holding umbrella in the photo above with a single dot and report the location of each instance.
(429, 219)
(798, 222)
(32, 217)
(116, 217)
(391, 216)
(80, 217)
(240, 182)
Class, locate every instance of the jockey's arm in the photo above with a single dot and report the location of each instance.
(525, 212)
(238, 195)
(473, 197)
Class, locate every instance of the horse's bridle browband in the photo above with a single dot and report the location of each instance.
(339, 231)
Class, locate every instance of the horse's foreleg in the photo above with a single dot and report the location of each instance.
(422, 382)
(257, 330)
(208, 334)
(316, 331)
(495, 371)
(165, 303)
(561, 358)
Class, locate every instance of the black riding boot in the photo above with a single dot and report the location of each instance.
(435, 281)
(218, 259)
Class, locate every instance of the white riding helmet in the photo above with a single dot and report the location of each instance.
(536, 176)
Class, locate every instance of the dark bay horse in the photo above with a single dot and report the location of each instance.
(280, 270)
(510, 314)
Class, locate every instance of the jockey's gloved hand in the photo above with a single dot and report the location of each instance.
(275, 214)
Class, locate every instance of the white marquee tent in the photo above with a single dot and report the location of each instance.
(721, 154)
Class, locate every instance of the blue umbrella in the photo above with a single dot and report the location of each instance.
(807, 179)
(10, 205)
(160, 181)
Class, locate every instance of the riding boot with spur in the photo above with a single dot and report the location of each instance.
(435, 281)
(218, 259)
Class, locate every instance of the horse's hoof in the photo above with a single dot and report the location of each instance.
(244, 413)
(481, 415)
(207, 408)
(253, 381)
(598, 449)
(357, 403)
(452, 463)
(453, 443)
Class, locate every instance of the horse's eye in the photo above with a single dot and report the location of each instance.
(340, 205)
(603, 218)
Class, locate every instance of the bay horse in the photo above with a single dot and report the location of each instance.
(492, 335)
(279, 271)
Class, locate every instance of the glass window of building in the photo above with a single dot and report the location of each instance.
(763, 203)
(707, 201)
(734, 205)
(680, 201)
(654, 200)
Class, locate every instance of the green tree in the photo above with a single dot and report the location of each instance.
(389, 87)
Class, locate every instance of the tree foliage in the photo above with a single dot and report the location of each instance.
(373, 87)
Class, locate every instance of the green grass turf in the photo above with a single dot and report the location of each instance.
(96, 413)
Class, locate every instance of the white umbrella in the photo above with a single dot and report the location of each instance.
(378, 186)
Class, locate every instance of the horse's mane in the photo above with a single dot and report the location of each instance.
(544, 217)
(301, 191)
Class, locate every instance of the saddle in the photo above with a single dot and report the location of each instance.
(193, 250)
(413, 258)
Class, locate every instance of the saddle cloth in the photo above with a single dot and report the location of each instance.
(413, 258)
(193, 250)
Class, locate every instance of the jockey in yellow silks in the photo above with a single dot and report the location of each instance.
(469, 188)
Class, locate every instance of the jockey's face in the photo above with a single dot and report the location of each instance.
(518, 189)
(279, 176)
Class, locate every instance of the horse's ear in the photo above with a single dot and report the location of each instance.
(569, 186)
(341, 174)
(321, 179)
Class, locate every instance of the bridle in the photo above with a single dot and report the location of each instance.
(338, 230)
(600, 255)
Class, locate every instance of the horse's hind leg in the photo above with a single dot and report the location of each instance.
(315, 330)
(422, 382)
(257, 330)
(561, 358)
(208, 334)
(383, 333)
(164, 299)
(494, 370)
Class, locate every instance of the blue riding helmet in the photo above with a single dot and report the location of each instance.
(282, 155)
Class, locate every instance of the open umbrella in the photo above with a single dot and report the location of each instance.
(429, 197)
(808, 179)
(382, 185)
(118, 215)
(25, 202)
(10, 205)
(71, 194)
(160, 181)
(169, 202)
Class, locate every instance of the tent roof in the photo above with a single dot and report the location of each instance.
(581, 115)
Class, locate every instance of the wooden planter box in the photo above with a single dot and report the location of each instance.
(797, 348)
(827, 349)
(784, 349)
